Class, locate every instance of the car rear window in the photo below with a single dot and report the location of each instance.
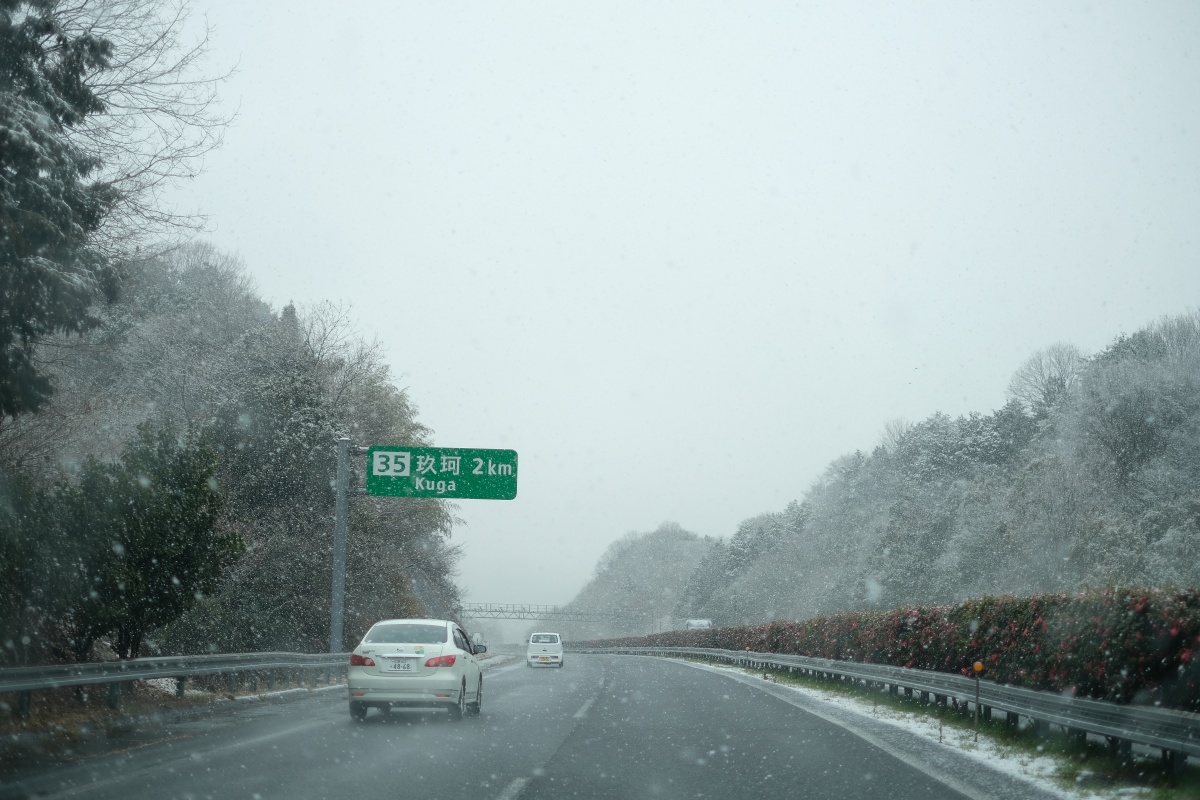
(544, 638)
(406, 633)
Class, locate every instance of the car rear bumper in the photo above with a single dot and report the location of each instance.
(551, 660)
(427, 691)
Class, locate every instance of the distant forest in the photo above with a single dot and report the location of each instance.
(1088, 477)
(189, 368)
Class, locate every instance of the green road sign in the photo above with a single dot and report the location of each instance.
(446, 472)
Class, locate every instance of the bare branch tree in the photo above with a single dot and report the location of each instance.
(160, 117)
(894, 431)
(1047, 377)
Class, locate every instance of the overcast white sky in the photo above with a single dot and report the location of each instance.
(682, 255)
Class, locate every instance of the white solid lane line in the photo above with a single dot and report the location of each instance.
(513, 790)
(582, 712)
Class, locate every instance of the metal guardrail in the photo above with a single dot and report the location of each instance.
(1176, 732)
(24, 680)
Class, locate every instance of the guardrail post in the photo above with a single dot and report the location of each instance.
(271, 680)
(340, 523)
(252, 681)
(24, 699)
(231, 681)
(1042, 727)
(1121, 749)
(1173, 762)
(114, 694)
(180, 682)
(1012, 719)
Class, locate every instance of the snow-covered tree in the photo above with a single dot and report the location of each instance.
(100, 107)
(50, 203)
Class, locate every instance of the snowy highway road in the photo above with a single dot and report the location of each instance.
(602, 727)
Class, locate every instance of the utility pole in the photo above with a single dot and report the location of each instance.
(337, 606)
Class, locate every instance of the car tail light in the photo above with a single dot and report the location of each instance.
(361, 661)
(440, 661)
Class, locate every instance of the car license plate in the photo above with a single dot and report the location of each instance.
(401, 665)
(543, 658)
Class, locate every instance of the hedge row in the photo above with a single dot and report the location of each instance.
(1128, 645)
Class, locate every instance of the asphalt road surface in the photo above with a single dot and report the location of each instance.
(602, 727)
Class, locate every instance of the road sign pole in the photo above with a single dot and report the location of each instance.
(338, 602)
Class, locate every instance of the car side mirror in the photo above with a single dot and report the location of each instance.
(480, 648)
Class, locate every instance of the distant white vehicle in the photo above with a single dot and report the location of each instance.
(545, 650)
(698, 624)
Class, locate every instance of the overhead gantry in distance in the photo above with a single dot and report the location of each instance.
(532, 611)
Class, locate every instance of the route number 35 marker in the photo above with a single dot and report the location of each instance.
(444, 472)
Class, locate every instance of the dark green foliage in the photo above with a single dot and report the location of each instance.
(50, 276)
(149, 539)
(38, 564)
(127, 549)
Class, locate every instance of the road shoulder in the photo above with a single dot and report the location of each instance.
(957, 769)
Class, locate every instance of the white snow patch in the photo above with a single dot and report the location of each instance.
(167, 686)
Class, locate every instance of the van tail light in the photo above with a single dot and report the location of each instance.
(361, 661)
(440, 661)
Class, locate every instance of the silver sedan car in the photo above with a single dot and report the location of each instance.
(415, 663)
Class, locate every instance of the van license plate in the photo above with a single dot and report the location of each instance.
(543, 658)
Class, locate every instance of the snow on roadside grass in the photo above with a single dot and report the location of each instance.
(167, 686)
(1040, 770)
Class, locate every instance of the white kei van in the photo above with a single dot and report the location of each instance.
(545, 650)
